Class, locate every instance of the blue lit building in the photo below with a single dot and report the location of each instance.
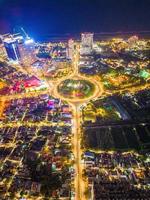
(12, 50)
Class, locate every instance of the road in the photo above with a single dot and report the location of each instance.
(80, 185)
(52, 89)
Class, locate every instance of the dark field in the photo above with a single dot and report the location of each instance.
(136, 137)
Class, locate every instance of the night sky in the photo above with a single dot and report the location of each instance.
(42, 17)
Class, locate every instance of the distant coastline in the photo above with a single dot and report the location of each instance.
(97, 36)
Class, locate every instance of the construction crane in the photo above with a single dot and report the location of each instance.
(25, 34)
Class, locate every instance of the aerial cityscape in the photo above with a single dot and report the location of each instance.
(74, 118)
(74, 100)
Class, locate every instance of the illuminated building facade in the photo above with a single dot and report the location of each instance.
(86, 43)
(19, 48)
(12, 49)
(2, 50)
(70, 49)
(27, 52)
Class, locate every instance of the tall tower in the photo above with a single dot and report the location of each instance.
(86, 43)
(70, 49)
(11, 48)
(27, 53)
(19, 47)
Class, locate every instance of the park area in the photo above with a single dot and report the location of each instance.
(100, 110)
(116, 80)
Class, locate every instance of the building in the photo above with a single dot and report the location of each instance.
(70, 49)
(30, 84)
(12, 50)
(86, 43)
(27, 53)
(2, 50)
(19, 48)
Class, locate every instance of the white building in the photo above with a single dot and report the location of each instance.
(27, 53)
(86, 43)
(70, 49)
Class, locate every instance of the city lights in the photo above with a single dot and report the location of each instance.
(74, 118)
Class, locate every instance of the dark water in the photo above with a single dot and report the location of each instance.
(97, 36)
(52, 18)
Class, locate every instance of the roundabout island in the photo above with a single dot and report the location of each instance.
(76, 89)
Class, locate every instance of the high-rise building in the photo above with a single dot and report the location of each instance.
(86, 43)
(19, 47)
(11, 48)
(27, 53)
(70, 49)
